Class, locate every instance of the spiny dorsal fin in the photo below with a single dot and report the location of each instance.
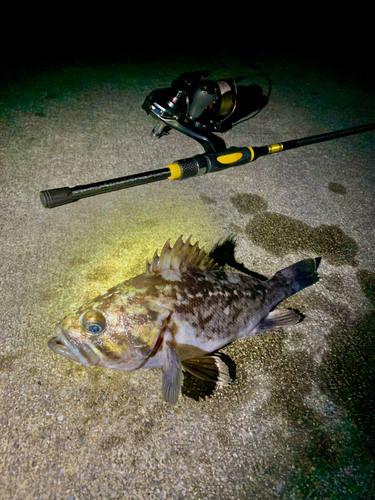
(181, 257)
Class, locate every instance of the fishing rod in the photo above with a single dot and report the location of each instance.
(197, 108)
(189, 167)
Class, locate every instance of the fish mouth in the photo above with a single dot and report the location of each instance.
(68, 346)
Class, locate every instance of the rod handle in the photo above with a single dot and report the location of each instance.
(211, 162)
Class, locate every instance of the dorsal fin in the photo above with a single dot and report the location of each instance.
(181, 257)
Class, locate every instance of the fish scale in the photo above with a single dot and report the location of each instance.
(177, 315)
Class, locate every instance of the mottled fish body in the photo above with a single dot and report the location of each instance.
(175, 315)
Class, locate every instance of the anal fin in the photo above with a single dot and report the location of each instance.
(209, 368)
(276, 319)
(172, 375)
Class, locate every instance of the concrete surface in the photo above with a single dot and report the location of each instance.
(298, 420)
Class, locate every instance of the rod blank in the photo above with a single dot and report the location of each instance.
(61, 196)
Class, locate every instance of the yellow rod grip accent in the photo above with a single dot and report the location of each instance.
(275, 148)
(231, 158)
(252, 153)
(175, 171)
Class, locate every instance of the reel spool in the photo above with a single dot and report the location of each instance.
(199, 107)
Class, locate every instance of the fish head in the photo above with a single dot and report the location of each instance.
(118, 329)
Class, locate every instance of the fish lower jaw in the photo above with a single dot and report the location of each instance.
(82, 352)
(58, 347)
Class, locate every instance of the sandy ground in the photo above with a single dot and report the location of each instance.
(297, 421)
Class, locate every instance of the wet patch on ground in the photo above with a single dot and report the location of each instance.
(281, 235)
(247, 203)
(337, 188)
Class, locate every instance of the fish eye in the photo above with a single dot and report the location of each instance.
(93, 322)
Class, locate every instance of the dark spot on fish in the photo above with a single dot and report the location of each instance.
(247, 203)
(154, 284)
(337, 188)
(195, 323)
(194, 284)
(280, 235)
(207, 199)
(206, 318)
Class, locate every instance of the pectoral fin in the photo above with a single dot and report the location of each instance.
(209, 368)
(276, 319)
(172, 375)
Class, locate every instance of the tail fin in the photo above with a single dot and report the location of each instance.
(299, 275)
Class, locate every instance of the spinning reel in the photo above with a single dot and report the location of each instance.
(199, 107)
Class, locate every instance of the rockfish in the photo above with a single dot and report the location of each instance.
(177, 314)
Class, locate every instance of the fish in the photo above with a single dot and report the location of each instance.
(178, 314)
